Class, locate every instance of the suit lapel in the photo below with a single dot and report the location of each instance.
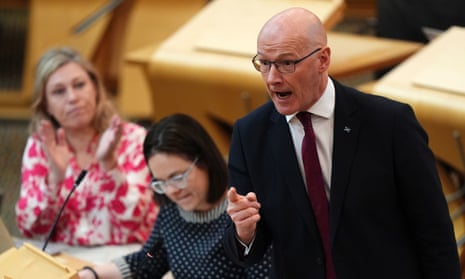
(286, 161)
(347, 126)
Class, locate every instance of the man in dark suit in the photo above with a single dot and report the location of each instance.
(388, 217)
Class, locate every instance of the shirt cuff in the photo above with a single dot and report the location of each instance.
(247, 248)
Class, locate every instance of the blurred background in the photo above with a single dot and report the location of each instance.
(163, 56)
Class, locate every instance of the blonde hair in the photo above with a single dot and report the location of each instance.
(52, 60)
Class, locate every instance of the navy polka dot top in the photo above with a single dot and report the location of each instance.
(189, 245)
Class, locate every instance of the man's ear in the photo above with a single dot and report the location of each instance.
(325, 59)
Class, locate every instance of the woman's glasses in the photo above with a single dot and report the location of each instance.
(179, 181)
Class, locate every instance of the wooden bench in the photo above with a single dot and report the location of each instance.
(127, 25)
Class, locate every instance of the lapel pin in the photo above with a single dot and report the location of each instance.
(347, 129)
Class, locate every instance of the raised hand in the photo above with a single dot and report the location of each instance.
(244, 212)
(56, 149)
(106, 149)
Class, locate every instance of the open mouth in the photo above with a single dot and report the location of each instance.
(283, 94)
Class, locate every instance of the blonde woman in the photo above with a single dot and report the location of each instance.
(74, 127)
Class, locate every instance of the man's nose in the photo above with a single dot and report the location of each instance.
(273, 74)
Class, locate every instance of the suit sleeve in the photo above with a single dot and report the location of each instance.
(240, 178)
(422, 198)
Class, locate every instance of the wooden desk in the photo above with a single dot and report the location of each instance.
(71, 261)
(204, 69)
(62, 265)
(431, 81)
(361, 8)
(78, 257)
(354, 54)
(122, 30)
(28, 261)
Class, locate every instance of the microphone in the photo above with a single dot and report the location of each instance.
(75, 185)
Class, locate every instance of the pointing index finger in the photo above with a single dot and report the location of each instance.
(233, 196)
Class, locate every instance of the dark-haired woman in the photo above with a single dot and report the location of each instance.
(190, 182)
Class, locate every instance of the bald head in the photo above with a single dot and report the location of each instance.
(294, 36)
(294, 24)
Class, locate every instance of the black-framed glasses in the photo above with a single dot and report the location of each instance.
(179, 181)
(283, 66)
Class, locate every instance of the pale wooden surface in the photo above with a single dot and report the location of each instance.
(86, 256)
(231, 26)
(440, 110)
(51, 24)
(353, 54)
(443, 64)
(48, 15)
(432, 81)
(204, 69)
(78, 257)
(151, 23)
(214, 87)
(30, 262)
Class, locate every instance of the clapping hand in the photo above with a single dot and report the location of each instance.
(56, 149)
(106, 149)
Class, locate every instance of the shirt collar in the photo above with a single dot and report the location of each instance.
(324, 107)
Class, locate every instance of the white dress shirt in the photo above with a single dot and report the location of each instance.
(323, 122)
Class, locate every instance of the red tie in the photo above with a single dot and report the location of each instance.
(316, 188)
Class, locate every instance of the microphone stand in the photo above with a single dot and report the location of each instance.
(75, 185)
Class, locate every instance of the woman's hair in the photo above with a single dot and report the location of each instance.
(52, 60)
(183, 136)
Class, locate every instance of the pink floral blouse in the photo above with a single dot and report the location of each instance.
(113, 207)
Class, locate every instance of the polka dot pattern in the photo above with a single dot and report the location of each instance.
(190, 250)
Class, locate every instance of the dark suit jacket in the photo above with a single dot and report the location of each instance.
(388, 215)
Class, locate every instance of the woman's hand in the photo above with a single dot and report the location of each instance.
(108, 144)
(56, 149)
